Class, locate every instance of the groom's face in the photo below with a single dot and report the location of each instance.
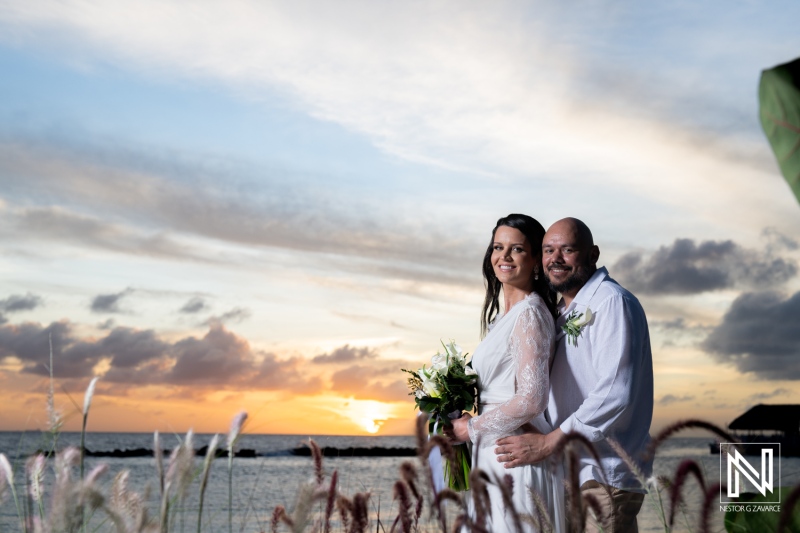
(568, 263)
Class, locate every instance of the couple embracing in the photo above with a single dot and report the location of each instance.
(542, 374)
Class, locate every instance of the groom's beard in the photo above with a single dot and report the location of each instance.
(580, 275)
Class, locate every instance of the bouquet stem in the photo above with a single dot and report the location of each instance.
(456, 470)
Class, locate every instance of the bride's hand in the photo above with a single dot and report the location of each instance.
(459, 432)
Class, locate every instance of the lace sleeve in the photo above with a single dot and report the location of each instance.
(530, 346)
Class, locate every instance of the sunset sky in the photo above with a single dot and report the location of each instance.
(274, 206)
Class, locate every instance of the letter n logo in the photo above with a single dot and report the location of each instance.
(736, 465)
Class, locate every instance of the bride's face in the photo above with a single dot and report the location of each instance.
(513, 259)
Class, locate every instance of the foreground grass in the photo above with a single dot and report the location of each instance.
(68, 499)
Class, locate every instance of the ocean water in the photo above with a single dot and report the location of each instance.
(273, 478)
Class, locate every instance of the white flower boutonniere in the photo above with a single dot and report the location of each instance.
(574, 325)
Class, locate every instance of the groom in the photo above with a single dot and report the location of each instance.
(601, 381)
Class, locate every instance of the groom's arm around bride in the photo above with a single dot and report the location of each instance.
(601, 381)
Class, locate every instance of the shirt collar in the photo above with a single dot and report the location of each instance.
(586, 293)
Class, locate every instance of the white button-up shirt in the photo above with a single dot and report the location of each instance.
(603, 387)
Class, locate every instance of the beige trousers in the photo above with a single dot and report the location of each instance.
(619, 509)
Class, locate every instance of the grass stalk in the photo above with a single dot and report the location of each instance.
(233, 437)
(211, 453)
(8, 472)
(87, 401)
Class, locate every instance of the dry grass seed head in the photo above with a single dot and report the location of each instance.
(709, 500)
(401, 494)
(158, 454)
(591, 504)
(331, 501)
(683, 471)
(479, 481)
(421, 431)
(569, 446)
(444, 445)
(627, 459)
(236, 429)
(506, 486)
(543, 520)
(35, 467)
(345, 507)
(316, 453)
(360, 512)
(180, 471)
(680, 425)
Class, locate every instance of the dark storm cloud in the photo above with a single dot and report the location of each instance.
(109, 303)
(345, 354)
(759, 333)
(194, 305)
(686, 267)
(16, 303)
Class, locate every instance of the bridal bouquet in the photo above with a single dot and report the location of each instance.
(443, 390)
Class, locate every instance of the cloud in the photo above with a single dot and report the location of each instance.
(759, 334)
(64, 226)
(219, 359)
(282, 216)
(345, 354)
(237, 314)
(16, 303)
(285, 374)
(686, 267)
(759, 396)
(670, 399)
(363, 382)
(30, 343)
(194, 305)
(109, 303)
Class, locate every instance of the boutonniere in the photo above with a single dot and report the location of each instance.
(574, 324)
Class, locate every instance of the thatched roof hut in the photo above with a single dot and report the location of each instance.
(783, 418)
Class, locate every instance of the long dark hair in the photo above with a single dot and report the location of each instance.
(534, 233)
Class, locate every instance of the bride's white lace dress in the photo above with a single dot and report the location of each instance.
(513, 366)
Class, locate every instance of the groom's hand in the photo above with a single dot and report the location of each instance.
(527, 449)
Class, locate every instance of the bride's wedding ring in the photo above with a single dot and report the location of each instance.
(511, 456)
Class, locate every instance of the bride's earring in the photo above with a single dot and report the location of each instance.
(536, 273)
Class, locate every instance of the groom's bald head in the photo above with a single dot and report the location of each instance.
(569, 255)
(581, 232)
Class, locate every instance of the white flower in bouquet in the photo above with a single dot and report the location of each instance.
(439, 363)
(429, 385)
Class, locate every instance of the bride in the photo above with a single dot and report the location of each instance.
(513, 363)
